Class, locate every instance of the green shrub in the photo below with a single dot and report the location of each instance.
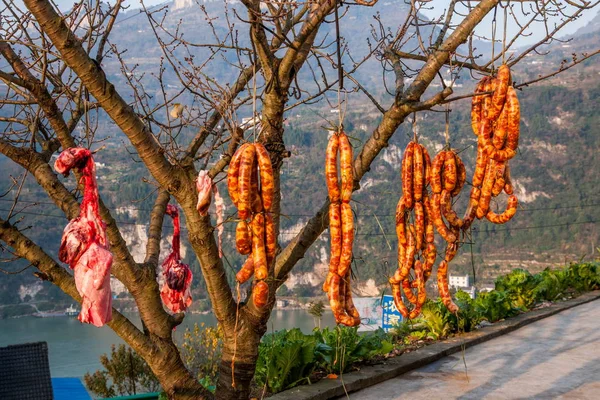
(350, 347)
(519, 286)
(201, 352)
(287, 358)
(552, 284)
(583, 277)
(494, 306)
(125, 373)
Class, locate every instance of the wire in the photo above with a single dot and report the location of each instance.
(358, 234)
(283, 214)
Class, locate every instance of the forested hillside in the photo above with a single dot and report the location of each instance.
(555, 172)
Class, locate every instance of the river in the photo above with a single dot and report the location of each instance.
(75, 348)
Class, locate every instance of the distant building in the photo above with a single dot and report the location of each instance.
(459, 281)
(281, 303)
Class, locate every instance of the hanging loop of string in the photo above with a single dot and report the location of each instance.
(414, 128)
(340, 69)
(254, 100)
(504, 33)
(447, 112)
(494, 36)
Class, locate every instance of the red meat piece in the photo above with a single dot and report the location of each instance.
(84, 245)
(175, 292)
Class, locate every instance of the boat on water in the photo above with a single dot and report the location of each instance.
(71, 311)
(43, 314)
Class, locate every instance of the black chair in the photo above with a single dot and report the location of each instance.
(25, 372)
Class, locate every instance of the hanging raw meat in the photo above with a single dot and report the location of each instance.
(206, 188)
(84, 245)
(175, 292)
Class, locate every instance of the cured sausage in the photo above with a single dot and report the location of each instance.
(335, 237)
(350, 307)
(331, 170)
(270, 239)
(508, 186)
(245, 180)
(477, 106)
(461, 172)
(246, 271)
(347, 239)
(256, 201)
(480, 166)
(471, 212)
(233, 174)
(243, 238)
(407, 176)
(449, 175)
(430, 255)
(346, 168)
(506, 216)
(427, 161)
(406, 288)
(259, 254)
(260, 294)
(513, 112)
(436, 172)
(421, 293)
(501, 130)
(448, 212)
(418, 172)
(503, 80)
(419, 225)
(429, 230)
(267, 182)
(439, 223)
(400, 221)
(486, 190)
(442, 278)
(397, 294)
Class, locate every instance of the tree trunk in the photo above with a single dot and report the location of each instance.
(241, 347)
(174, 377)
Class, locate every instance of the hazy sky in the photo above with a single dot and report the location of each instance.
(436, 8)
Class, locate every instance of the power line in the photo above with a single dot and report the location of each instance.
(283, 214)
(358, 234)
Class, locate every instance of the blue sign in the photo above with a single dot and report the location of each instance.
(390, 314)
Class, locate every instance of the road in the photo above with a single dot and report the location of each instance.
(554, 358)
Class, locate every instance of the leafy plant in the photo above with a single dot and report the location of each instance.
(583, 277)
(494, 306)
(468, 317)
(551, 285)
(519, 286)
(436, 318)
(201, 353)
(125, 373)
(288, 357)
(350, 347)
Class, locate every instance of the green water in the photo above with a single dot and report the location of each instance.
(75, 348)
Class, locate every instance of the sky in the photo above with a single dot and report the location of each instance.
(433, 10)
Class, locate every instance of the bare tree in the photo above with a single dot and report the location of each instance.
(54, 79)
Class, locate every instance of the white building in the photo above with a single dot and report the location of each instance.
(459, 281)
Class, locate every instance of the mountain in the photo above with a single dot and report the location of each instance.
(555, 172)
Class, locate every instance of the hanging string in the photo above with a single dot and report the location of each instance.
(254, 99)
(414, 126)
(447, 133)
(237, 314)
(504, 34)
(494, 36)
(338, 41)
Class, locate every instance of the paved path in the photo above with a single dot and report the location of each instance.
(557, 357)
